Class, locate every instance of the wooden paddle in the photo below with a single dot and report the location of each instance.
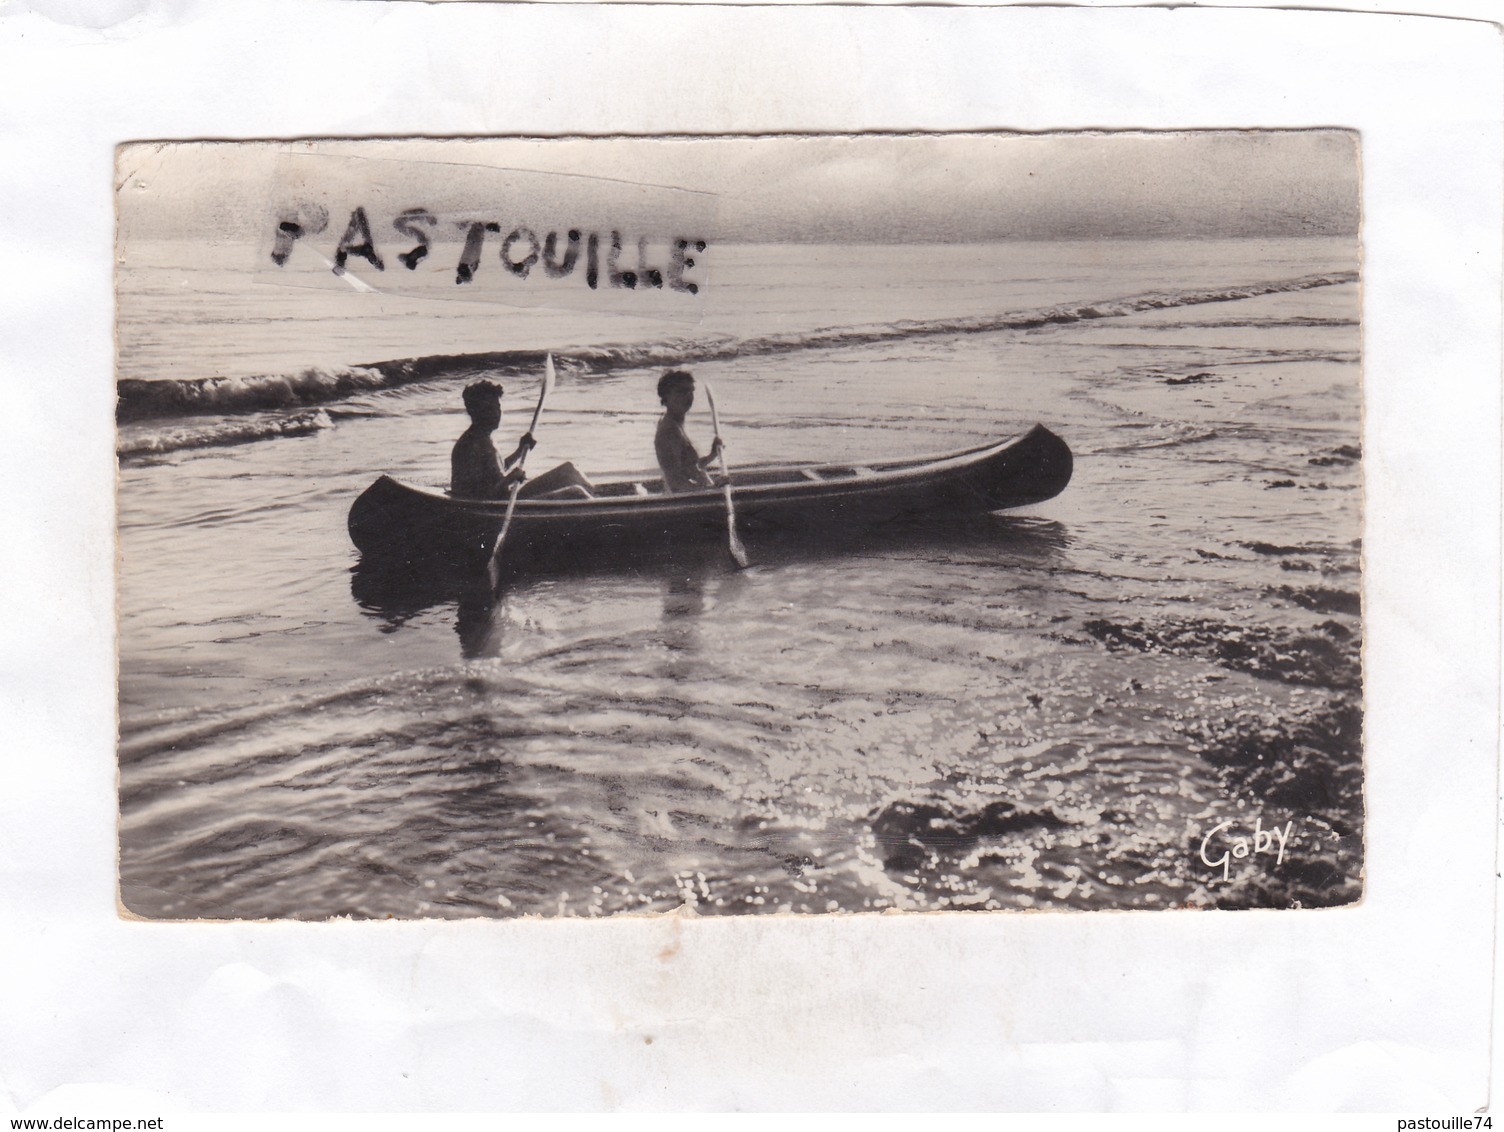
(734, 540)
(493, 567)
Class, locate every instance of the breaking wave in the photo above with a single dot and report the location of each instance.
(221, 434)
(147, 400)
(137, 399)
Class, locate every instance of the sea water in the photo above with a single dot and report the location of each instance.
(1070, 706)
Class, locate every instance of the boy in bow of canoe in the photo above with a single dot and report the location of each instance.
(684, 469)
(475, 470)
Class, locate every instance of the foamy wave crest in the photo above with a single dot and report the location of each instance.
(682, 351)
(221, 435)
(142, 400)
(147, 400)
(1044, 316)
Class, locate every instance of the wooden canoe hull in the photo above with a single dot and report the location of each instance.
(394, 520)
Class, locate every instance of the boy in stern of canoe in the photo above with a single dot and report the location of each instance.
(684, 469)
(475, 470)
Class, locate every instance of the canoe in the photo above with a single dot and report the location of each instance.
(395, 520)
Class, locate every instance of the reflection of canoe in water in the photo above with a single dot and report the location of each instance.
(392, 519)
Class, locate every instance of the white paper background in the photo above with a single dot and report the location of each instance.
(1383, 1006)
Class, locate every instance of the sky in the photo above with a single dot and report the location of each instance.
(922, 188)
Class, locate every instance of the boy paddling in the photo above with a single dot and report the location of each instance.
(684, 469)
(475, 469)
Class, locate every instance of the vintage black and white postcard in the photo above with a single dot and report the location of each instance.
(301, 813)
(799, 523)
